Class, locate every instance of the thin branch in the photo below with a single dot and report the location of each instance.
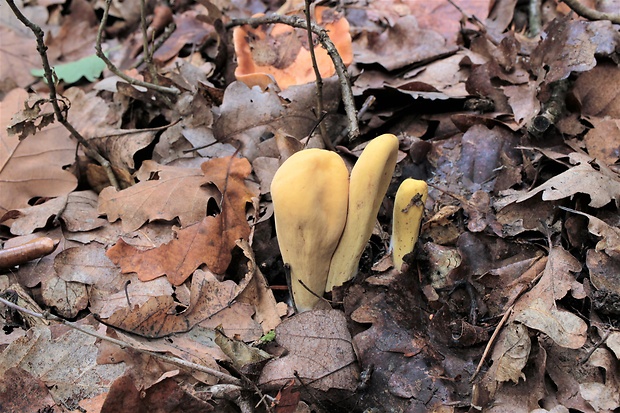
(591, 14)
(160, 41)
(370, 100)
(489, 345)
(168, 359)
(49, 78)
(341, 70)
(602, 341)
(114, 69)
(147, 52)
(535, 18)
(319, 81)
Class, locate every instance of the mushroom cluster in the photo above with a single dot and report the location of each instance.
(324, 218)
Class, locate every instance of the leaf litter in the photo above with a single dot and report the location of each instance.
(510, 301)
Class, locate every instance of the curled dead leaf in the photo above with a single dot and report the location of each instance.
(282, 51)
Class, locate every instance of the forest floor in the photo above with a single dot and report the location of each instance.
(140, 269)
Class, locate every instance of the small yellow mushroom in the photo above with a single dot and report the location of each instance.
(309, 192)
(369, 182)
(408, 211)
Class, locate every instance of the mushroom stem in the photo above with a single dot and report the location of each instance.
(407, 218)
(309, 192)
(369, 182)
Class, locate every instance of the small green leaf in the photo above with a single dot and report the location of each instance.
(89, 67)
(270, 336)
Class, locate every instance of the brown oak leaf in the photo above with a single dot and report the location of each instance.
(178, 192)
(32, 167)
(208, 242)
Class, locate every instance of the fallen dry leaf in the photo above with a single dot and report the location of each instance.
(440, 17)
(76, 37)
(605, 279)
(108, 289)
(189, 31)
(246, 115)
(402, 44)
(20, 391)
(35, 217)
(68, 298)
(100, 125)
(164, 192)
(207, 242)
(80, 213)
(196, 346)
(283, 52)
(586, 177)
(603, 396)
(258, 293)
(241, 354)
(571, 46)
(447, 75)
(18, 55)
(593, 91)
(510, 354)
(562, 372)
(538, 308)
(320, 353)
(124, 394)
(601, 142)
(208, 298)
(613, 343)
(412, 382)
(65, 362)
(610, 242)
(34, 272)
(32, 167)
(522, 397)
(523, 102)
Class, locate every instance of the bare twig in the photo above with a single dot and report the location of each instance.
(147, 53)
(49, 78)
(168, 359)
(115, 70)
(553, 109)
(319, 81)
(491, 342)
(341, 70)
(591, 14)
(370, 100)
(602, 341)
(319, 122)
(535, 19)
(160, 41)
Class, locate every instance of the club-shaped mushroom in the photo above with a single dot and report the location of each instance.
(407, 218)
(368, 184)
(309, 193)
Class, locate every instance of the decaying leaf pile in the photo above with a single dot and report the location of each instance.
(510, 303)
